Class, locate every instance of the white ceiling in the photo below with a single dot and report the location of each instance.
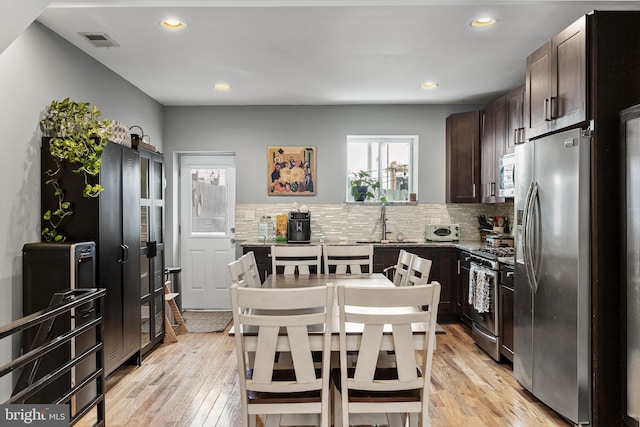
(318, 51)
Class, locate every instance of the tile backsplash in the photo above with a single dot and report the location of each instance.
(349, 222)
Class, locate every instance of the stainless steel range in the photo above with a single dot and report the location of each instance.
(483, 297)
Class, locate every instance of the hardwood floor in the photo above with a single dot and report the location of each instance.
(194, 383)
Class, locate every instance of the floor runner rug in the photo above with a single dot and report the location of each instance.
(206, 320)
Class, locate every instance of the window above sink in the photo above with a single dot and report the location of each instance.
(390, 160)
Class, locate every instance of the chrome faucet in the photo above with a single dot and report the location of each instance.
(383, 221)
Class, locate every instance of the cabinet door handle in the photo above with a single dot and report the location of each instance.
(516, 132)
(549, 104)
(474, 190)
(125, 254)
(492, 189)
(546, 110)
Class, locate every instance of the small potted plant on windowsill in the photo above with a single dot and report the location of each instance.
(363, 186)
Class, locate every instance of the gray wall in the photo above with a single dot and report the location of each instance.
(248, 131)
(35, 69)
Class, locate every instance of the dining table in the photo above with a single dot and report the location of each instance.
(353, 331)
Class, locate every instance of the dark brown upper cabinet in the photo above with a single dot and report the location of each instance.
(463, 158)
(493, 143)
(515, 119)
(556, 91)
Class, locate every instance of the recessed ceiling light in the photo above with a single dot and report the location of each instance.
(222, 86)
(429, 85)
(483, 22)
(173, 24)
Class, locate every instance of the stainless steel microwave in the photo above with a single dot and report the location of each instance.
(507, 184)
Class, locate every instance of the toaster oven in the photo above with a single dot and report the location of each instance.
(442, 232)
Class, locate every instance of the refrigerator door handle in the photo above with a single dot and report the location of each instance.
(528, 243)
(525, 233)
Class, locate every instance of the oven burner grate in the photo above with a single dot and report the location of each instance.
(497, 251)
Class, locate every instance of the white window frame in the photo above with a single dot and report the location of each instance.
(413, 160)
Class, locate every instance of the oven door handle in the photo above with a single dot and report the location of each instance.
(485, 270)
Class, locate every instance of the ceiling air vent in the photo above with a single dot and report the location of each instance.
(99, 39)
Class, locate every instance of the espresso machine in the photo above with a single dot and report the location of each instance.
(299, 228)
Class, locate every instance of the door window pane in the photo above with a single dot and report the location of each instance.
(145, 336)
(144, 178)
(209, 201)
(157, 224)
(144, 226)
(157, 181)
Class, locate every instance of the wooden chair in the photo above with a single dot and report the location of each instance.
(419, 271)
(343, 259)
(296, 258)
(266, 314)
(367, 388)
(398, 273)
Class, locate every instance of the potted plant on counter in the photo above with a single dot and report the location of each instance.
(76, 137)
(363, 186)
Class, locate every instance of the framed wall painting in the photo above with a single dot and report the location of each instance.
(291, 171)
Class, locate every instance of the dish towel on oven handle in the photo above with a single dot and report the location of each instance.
(479, 290)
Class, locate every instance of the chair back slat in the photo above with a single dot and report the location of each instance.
(265, 352)
(251, 268)
(419, 271)
(296, 259)
(352, 259)
(368, 360)
(301, 354)
(402, 268)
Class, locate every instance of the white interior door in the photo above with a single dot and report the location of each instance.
(207, 221)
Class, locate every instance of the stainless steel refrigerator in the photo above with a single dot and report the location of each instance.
(630, 132)
(552, 281)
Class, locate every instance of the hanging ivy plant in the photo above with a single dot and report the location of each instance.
(77, 136)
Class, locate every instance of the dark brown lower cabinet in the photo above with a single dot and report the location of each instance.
(506, 322)
(443, 270)
(463, 308)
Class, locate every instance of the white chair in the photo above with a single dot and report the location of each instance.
(401, 269)
(296, 258)
(367, 388)
(419, 271)
(343, 259)
(265, 323)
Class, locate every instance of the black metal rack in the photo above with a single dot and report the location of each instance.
(85, 306)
